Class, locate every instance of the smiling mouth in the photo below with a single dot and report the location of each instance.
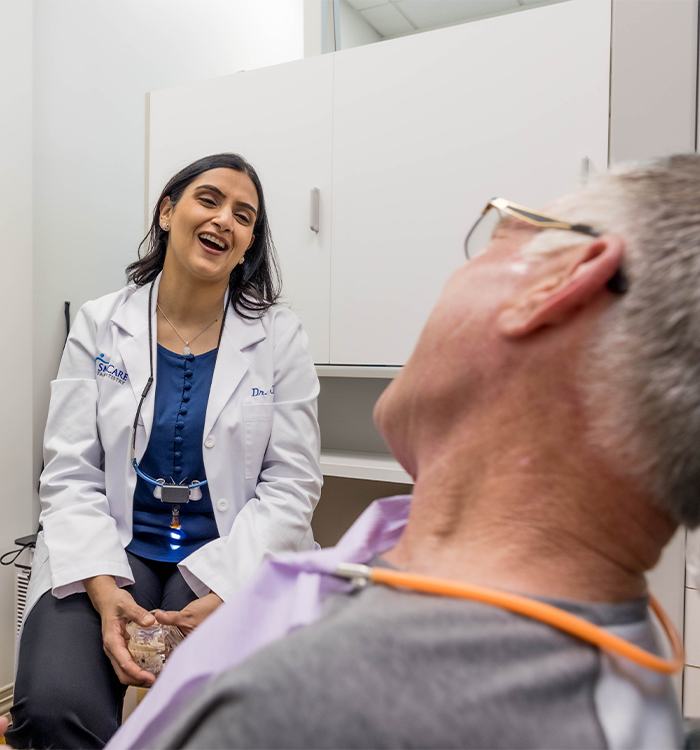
(213, 243)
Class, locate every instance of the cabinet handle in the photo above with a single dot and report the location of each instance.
(586, 170)
(315, 210)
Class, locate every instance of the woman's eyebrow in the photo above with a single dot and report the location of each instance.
(214, 189)
(211, 188)
(248, 206)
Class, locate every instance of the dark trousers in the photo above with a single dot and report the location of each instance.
(66, 692)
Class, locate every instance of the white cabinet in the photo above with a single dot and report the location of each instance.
(406, 141)
(279, 119)
(427, 128)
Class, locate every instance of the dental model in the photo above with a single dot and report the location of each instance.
(151, 646)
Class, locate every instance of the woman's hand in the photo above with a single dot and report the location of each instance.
(117, 607)
(192, 615)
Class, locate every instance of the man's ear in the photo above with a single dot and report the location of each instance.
(566, 281)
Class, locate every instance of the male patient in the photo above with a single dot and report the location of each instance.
(550, 415)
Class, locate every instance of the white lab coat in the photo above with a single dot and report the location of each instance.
(260, 446)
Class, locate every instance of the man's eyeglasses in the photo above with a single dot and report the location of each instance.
(502, 212)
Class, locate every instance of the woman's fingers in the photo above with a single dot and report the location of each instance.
(131, 612)
(181, 619)
(127, 670)
(117, 607)
(168, 617)
(188, 618)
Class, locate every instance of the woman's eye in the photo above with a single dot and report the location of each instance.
(244, 218)
(207, 201)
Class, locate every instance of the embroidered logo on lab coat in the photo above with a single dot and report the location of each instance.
(105, 369)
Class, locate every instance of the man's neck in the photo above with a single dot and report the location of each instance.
(534, 532)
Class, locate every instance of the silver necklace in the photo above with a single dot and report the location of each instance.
(186, 349)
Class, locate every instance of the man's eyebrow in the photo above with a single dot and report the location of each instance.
(221, 194)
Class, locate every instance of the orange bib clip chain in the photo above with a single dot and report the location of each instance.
(535, 610)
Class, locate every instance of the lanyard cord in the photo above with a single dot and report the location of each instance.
(149, 382)
(535, 610)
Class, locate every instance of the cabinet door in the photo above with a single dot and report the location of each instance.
(279, 119)
(427, 128)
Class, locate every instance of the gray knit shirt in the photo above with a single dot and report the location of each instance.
(390, 669)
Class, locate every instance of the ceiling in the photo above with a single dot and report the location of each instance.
(392, 18)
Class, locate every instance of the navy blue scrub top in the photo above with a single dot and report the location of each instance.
(174, 453)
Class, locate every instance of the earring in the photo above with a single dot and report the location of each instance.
(165, 227)
(241, 261)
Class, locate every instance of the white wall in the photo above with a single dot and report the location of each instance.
(94, 61)
(16, 296)
(313, 28)
(654, 69)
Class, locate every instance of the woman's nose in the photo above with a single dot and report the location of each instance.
(224, 221)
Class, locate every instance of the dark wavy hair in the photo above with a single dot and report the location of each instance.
(254, 285)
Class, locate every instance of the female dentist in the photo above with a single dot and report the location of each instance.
(220, 470)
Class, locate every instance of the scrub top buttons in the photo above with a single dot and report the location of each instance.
(183, 411)
(177, 469)
(189, 357)
(178, 455)
(222, 504)
(188, 373)
(185, 398)
(187, 386)
(178, 440)
(209, 442)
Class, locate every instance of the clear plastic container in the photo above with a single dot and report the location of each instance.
(151, 646)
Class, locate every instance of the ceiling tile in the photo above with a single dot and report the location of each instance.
(428, 14)
(388, 21)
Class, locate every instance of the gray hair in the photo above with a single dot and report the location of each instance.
(643, 389)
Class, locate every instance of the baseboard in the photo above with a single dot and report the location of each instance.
(6, 698)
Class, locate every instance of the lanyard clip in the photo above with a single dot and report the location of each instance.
(359, 575)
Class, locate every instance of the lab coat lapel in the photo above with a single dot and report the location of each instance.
(231, 364)
(132, 318)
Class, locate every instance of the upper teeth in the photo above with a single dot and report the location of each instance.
(213, 239)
